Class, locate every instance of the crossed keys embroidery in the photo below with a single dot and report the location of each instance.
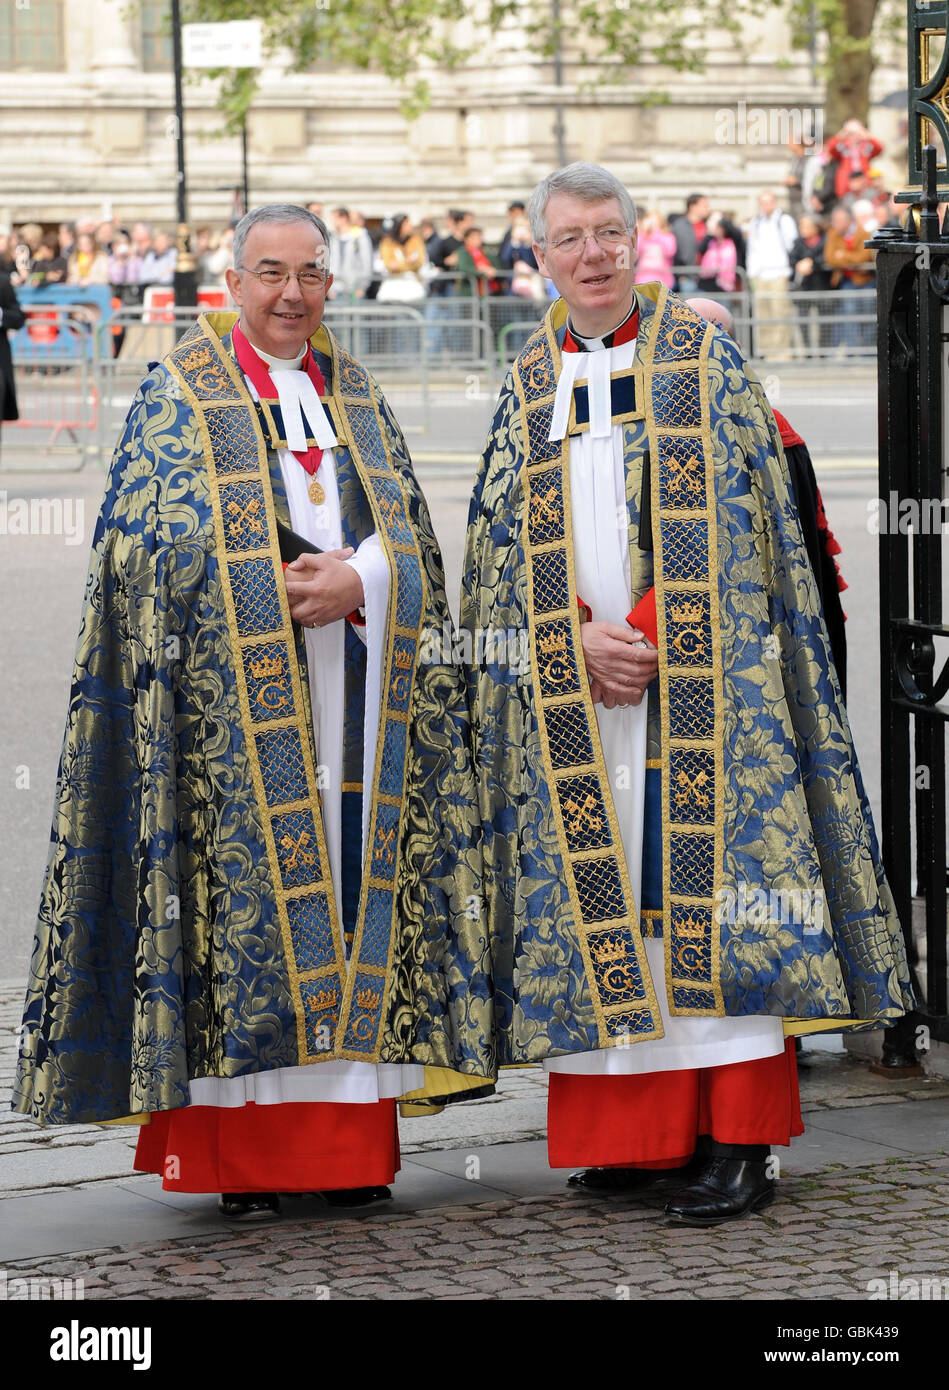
(583, 815)
(684, 474)
(385, 851)
(298, 847)
(692, 789)
(245, 516)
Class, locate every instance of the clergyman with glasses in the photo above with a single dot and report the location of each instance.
(260, 925)
(681, 870)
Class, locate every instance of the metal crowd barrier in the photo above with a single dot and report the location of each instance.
(57, 391)
(390, 341)
(125, 349)
(76, 378)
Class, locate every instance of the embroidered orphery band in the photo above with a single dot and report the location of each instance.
(594, 863)
(674, 401)
(340, 1011)
(685, 529)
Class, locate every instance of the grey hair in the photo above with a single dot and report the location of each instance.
(591, 182)
(275, 212)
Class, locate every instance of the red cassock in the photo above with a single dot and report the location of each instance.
(294, 1147)
(653, 1120)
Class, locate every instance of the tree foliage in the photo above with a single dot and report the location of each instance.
(396, 37)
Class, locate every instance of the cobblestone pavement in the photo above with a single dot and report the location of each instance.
(823, 1239)
(835, 1226)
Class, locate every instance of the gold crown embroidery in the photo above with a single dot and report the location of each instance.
(554, 644)
(196, 358)
(368, 999)
(688, 611)
(266, 667)
(690, 925)
(323, 999)
(403, 659)
(608, 952)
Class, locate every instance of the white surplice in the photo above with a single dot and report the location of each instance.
(601, 559)
(340, 1081)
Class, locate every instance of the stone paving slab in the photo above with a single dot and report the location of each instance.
(921, 1127)
(817, 1242)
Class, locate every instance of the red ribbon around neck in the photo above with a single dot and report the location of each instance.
(255, 368)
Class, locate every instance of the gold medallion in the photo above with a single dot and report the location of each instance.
(317, 494)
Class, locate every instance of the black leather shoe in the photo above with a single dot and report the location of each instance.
(249, 1206)
(726, 1189)
(356, 1196)
(607, 1180)
(639, 1179)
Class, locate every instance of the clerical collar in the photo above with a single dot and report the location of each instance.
(280, 364)
(624, 332)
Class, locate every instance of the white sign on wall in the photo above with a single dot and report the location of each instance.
(234, 44)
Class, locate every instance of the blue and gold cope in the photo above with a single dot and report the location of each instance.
(188, 925)
(752, 786)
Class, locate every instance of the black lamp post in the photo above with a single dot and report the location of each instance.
(186, 279)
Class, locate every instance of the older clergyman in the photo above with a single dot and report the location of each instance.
(260, 919)
(680, 864)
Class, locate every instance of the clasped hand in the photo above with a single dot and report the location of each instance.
(619, 669)
(323, 588)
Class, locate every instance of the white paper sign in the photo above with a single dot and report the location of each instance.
(234, 44)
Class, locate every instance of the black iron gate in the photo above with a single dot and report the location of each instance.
(912, 295)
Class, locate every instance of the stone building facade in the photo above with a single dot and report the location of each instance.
(87, 127)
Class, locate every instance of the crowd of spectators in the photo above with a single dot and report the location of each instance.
(95, 253)
(799, 262)
(808, 242)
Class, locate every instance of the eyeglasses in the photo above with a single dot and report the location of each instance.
(607, 237)
(274, 276)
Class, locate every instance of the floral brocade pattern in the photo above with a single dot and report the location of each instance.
(796, 817)
(158, 955)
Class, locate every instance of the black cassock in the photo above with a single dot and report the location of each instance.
(12, 319)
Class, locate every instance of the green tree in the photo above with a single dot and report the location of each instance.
(390, 36)
(395, 36)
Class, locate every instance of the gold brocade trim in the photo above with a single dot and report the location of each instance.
(690, 921)
(197, 364)
(801, 1027)
(384, 840)
(358, 423)
(610, 966)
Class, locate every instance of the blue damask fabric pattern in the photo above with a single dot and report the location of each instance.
(158, 955)
(796, 822)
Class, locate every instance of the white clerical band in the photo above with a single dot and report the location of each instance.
(601, 405)
(569, 366)
(297, 395)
